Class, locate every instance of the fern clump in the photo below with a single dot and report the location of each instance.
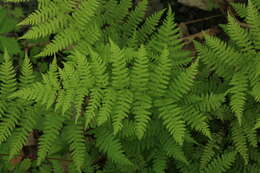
(126, 97)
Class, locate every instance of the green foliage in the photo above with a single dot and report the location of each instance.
(122, 95)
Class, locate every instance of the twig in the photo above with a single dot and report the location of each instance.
(202, 19)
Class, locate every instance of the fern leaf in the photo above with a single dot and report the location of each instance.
(99, 70)
(210, 102)
(183, 83)
(159, 162)
(239, 35)
(240, 8)
(140, 71)
(77, 144)
(20, 137)
(221, 164)
(52, 125)
(94, 103)
(222, 67)
(172, 149)
(41, 15)
(141, 106)
(208, 153)
(122, 108)
(85, 11)
(27, 76)
(45, 29)
(110, 145)
(238, 98)
(253, 20)
(8, 123)
(160, 75)
(226, 55)
(239, 139)
(196, 120)
(61, 41)
(107, 106)
(172, 120)
(42, 92)
(168, 35)
(148, 27)
(119, 69)
(8, 83)
(135, 17)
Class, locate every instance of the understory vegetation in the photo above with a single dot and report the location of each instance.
(98, 86)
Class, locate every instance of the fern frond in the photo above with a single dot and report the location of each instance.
(122, 109)
(208, 153)
(8, 123)
(172, 149)
(45, 29)
(52, 125)
(42, 92)
(239, 35)
(57, 166)
(159, 162)
(27, 76)
(214, 61)
(226, 55)
(20, 137)
(85, 11)
(252, 19)
(42, 15)
(98, 67)
(120, 12)
(110, 145)
(119, 70)
(168, 35)
(160, 74)
(210, 102)
(148, 27)
(238, 91)
(76, 141)
(240, 8)
(221, 164)
(239, 139)
(140, 71)
(135, 17)
(141, 109)
(70, 81)
(172, 120)
(196, 120)
(107, 106)
(8, 83)
(61, 41)
(183, 82)
(93, 105)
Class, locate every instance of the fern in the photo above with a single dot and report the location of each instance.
(221, 164)
(172, 119)
(122, 94)
(112, 147)
(239, 82)
(77, 145)
(239, 139)
(51, 131)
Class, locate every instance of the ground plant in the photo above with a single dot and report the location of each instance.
(120, 93)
